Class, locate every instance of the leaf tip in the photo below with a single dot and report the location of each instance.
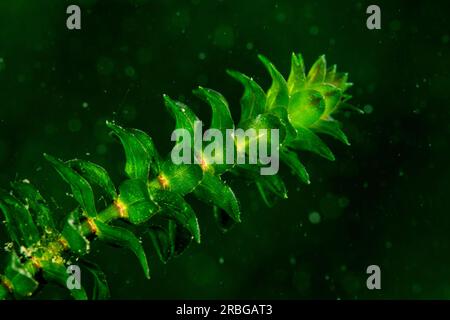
(264, 60)
(49, 157)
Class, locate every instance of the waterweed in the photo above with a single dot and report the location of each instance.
(41, 251)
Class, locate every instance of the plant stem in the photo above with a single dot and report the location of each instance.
(53, 249)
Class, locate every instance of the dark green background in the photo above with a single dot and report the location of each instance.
(385, 200)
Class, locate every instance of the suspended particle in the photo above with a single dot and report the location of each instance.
(314, 217)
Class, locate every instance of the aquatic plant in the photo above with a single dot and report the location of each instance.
(151, 200)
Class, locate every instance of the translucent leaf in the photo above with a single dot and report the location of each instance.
(95, 174)
(180, 178)
(223, 219)
(318, 71)
(182, 237)
(140, 152)
(346, 106)
(19, 223)
(81, 189)
(37, 205)
(170, 240)
(331, 74)
(308, 140)
(277, 95)
(213, 190)
(332, 128)
(163, 242)
(268, 121)
(271, 189)
(183, 115)
(346, 86)
(253, 101)
(134, 196)
(340, 80)
(149, 146)
(21, 279)
(282, 114)
(331, 94)
(101, 288)
(123, 238)
(291, 160)
(57, 273)
(176, 208)
(305, 108)
(297, 76)
(221, 116)
(73, 234)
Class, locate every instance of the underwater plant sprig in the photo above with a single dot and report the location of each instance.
(152, 198)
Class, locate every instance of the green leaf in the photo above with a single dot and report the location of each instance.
(163, 242)
(331, 74)
(176, 208)
(265, 121)
(183, 115)
(38, 207)
(140, 152)
(308, 140)
(305, 108)
(271, 189)
(318, 71)
(73, 234)
(95, 174)
(213, 190)
(253, 101)
(123, 238)
(19, 223)
(135, 197)
(291, 160)
(331, 94)
(221, 120)
(57, 273)
(181, 178)
(101, 288)
(170, 240)
(149, 146)
(331, 127)
(81, 189)
(297, 77)
(223, 219)
(340, 80)
(278, 95)
(21, 279)
(346, 86)
(346, 106)
(283, 115)
(221, 116)
(182, 237)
